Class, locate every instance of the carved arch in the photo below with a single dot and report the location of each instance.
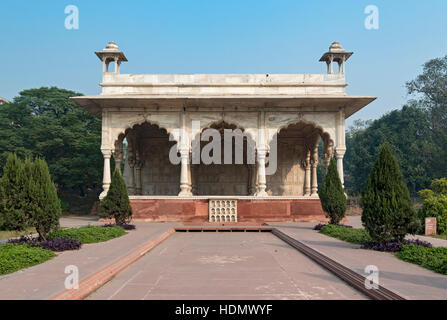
(215, 123)
(323, 134)
(122, 132)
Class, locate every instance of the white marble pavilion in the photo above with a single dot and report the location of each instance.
(296, 111)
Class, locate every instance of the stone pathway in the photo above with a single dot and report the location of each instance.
(223, 265)
(45, 280)
(408, 280)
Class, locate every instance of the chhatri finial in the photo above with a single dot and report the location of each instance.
(337, 54)
(109, 54)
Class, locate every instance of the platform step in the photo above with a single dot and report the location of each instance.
(224, 229)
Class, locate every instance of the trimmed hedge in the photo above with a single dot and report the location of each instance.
(352, 235)
(14, 257)
(431, 258)
(90, 234)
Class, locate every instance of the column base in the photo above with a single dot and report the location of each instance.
(185, 193)
(103, 194)
(261, 193)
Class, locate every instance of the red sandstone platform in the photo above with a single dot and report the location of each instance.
(248, 210)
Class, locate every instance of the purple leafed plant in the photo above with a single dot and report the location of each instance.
(57, 244)
(319, 226)
(29, 240)
(125, 226)
(60, 244)
(394, 246)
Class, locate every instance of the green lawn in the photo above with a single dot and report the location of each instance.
(14, 257)
(90, 234)
(431, 258)
(352, 235)
(15, 234)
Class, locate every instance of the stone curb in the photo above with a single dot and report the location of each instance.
(98, 279)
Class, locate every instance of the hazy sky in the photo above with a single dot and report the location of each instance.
(245, 36)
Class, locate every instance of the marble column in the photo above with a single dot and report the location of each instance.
(339, 154)
(131, 187)
(137, 170)
(252, 179)
(314, 163)
(262, 183)
(138, 184)
(328, 153)
(106, 180)
(185, 190)
(118, 154)
(307, 175)
(193, 178)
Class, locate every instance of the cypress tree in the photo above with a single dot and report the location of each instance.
(12, 195)
(332, 196)
(116, 204)
(44, 204)
(388, 212)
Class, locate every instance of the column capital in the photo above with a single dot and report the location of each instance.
(184, 152)
(340, 152)
(262, 151)
(107, 153)
(139, 164)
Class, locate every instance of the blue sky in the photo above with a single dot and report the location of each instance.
(250, 36)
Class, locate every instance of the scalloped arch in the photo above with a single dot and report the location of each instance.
(123, 131)
(209, 124)
(323, 134)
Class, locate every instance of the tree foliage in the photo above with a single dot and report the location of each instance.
(435, 204)
(332, 196)
(45, 123)
(116, 204)
(417, 134)
(13, 205)
(388, 212)
(407, 132)
(44, 205)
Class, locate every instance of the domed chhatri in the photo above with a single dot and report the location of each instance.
(111, 53)
(336, 47)
(338, 55)
(111, 47)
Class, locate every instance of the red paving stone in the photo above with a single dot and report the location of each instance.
(408, 280)
(46, 280)
(225, 266)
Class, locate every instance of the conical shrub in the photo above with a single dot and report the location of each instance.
(13, 195)
(116, 204)
(388, 212)
(332, 196)
(44, 204)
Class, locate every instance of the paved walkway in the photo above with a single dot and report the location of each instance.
(223, 266)
(79, 221)
(47, 279)
(356, 222)
(406, 279)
